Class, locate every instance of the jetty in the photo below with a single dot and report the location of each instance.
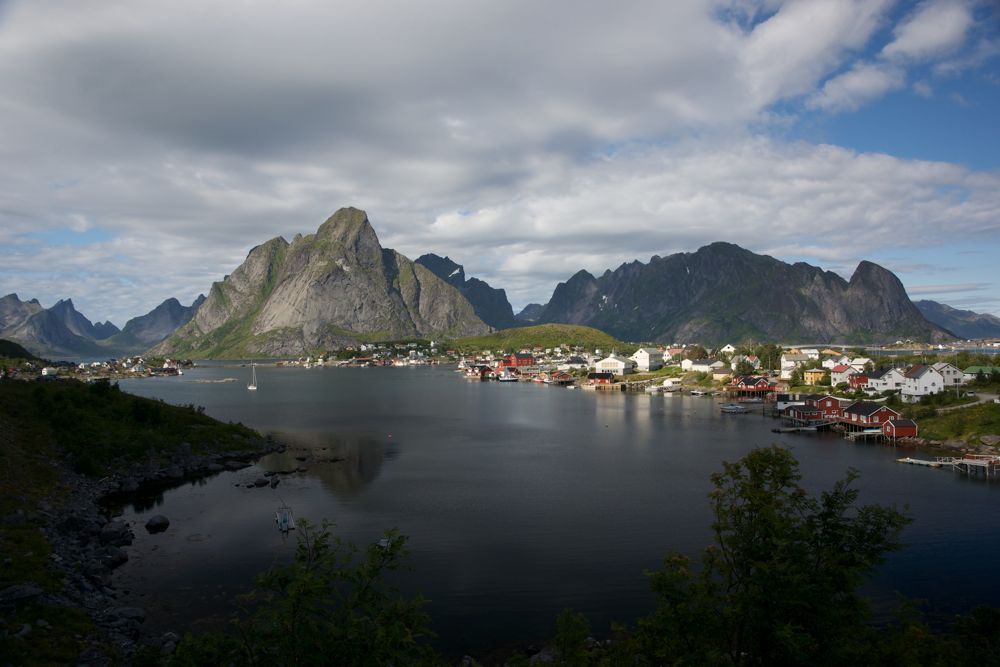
(920, 462)
(973, 465)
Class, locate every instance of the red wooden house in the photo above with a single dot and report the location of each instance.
(828, 405)
(517, 360)
(866, 414)
(899, 428)
(600, 378)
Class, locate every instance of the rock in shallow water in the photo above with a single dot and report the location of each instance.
(157, 524)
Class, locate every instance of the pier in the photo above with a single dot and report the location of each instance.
(973, 465)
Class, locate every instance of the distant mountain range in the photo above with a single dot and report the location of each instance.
(62, 332)
(963, 323)
(339, 286)
(723, 293)
(490, 304)
(323, 290)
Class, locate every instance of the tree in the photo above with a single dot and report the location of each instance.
(796, 377)
(744, 367)
(330, 606)
(777, 587)
(695, 352)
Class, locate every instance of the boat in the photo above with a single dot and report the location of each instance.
(253, 377)
(699, 392)
(734, 409)
(507, 376)
(283, 517)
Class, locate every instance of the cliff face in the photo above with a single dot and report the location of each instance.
(725, 293)
(491, 304)
(325, 289)
(963, 323)
(56, 332)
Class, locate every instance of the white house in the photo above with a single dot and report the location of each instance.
(841, 373)
(728, 349)
(789, 362)
(885, 379)
(750, 359)
(810, 352)
(921, 381)
(952, 375)
(615, 364)
(702, 365)
(858, 363)
(647, 359)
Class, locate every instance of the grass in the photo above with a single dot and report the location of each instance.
(544, 335)
(47, 426)
(967, 425)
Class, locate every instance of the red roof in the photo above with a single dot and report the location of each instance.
(840, 368)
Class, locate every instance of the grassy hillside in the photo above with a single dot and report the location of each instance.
(46, 427)
(967, 424)
(11, 350)
(543, 335)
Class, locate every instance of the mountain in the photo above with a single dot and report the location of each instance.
(530, 313)
(56, 332)
(11, 350)
(330, 288)
(143, 332)
(963, 323)
(13, 311)
(724, 293)
(103, 330)
(490, 304)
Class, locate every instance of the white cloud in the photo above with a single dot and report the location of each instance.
(525, 139)
(932, 29)
(863, 82)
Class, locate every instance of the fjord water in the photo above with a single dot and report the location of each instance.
(519, 499)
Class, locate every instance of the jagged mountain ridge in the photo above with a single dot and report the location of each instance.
(963, 323)
(490, 304)
(723, 292)
(530, 313)
(63, 332)
(323, 290)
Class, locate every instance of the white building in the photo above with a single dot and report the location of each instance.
(885, 379)
(702, 365)
(647, 359)
(952, 375)
(728, 349)
(921, 381)
(789, 362)
(615, 364)
(859, 363)
(841, 373)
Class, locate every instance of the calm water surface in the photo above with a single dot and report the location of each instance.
(519, 499)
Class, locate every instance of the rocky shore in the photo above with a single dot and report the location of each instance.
(87, 546)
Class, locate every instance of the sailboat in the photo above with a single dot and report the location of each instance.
(253, 377)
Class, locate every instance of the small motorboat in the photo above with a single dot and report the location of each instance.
(734, 409)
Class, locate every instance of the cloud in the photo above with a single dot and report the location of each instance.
(924, 290)
(525, 139)
(932, 29)
(862, 83)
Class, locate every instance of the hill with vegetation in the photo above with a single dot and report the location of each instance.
(11, 350)
(543, 335)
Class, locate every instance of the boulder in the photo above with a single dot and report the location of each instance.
(129, 613)
(19, 592)
(116, 533)
(261, 481)
(274, 482)
(990, 440)
(112, 557)
(157, 524)
(174, 472)
(129, 485)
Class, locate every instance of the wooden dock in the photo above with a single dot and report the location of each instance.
(920, 462)
(973, 465)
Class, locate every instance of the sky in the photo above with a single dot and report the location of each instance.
(146, 147)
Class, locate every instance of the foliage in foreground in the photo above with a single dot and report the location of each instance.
(97, 424)
(778, 586)
(330, 606)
